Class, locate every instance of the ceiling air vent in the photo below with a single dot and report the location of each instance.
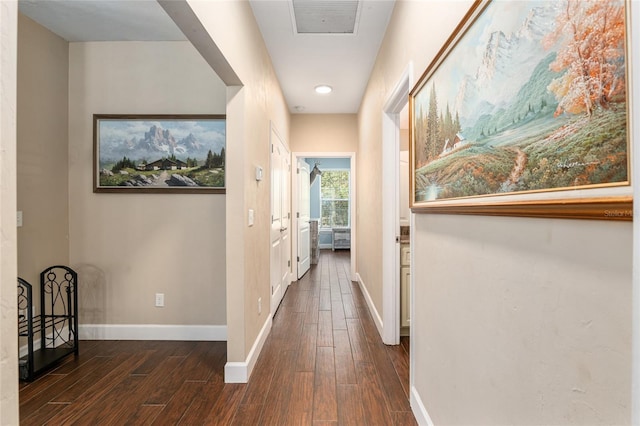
(325, 16)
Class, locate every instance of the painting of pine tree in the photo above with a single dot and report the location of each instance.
(532, 97)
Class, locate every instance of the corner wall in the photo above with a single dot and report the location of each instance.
(43, 115)
(252, 110)
(517, 320)
(127, 247)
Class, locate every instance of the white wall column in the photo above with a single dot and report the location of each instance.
(8, 229)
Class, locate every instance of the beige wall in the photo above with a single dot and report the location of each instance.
(251, 110)
(404, 140)
(8, 237)
(536, 327)
(130, 246)
(324, 133)
(43, 193)
(368, 207)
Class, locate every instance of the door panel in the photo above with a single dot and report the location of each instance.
(304, 236)
(280, 220)
(286, 220)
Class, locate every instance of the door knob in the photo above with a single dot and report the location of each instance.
(283, 229)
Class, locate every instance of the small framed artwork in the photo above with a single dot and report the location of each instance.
(525, 112)
(159, 153)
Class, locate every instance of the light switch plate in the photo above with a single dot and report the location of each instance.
(250, 217)
(258, 173)
(19, 216)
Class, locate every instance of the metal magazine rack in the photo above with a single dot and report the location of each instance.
(52, 333)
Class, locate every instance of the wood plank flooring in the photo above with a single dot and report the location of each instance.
(322, 364)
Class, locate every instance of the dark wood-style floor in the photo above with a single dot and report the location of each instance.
(323, 364)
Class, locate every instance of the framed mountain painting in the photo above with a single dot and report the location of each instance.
(159, 153)
(525, 111)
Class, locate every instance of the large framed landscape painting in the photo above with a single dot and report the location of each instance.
(159, 153)
(525, 111)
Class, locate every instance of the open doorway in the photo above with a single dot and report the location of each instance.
(331, 208)
(404, 222)
(395, 117)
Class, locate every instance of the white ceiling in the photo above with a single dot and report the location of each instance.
(103, 20)
(301, 61)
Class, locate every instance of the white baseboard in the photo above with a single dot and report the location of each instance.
(419, 411)
(377, 319)
(239, 372)
(152, 332)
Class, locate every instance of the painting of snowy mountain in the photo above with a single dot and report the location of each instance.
(532, 97)
(157, 152)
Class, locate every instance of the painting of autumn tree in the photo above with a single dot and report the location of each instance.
(592, 57)
(532, 97)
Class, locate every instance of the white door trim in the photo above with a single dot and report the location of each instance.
(295, 156)
(390, 207)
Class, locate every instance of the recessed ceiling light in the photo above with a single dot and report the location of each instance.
(323, 89)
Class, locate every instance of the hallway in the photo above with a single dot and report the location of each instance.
(323, 363)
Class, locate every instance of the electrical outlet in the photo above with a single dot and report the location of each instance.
(159, 300)
(259, 305)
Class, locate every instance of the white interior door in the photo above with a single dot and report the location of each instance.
(303, 216)
(280, 220)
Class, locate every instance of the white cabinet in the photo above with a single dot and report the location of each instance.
(405, 285)
(341, 238)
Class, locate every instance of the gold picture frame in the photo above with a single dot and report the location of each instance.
(161, 153)
(506, 121)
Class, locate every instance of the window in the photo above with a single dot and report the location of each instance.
(334, 198)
